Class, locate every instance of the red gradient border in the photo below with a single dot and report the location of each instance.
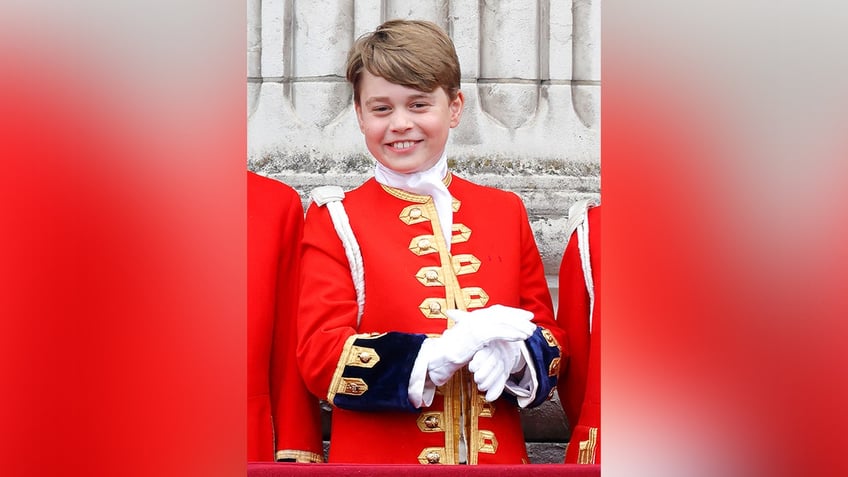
(123, 244)
(724, 262)
(122, 260)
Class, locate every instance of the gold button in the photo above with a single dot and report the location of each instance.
(415, 213)
(431, 276)
(431, 422)
(351, 388)
(424, 244)
(433, 457)
(435, 307)
(364, 357)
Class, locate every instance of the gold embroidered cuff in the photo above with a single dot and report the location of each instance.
(336, 384)
(362, 357)
(552, 341)
(553, 369)
(352, 387)
(549, 337)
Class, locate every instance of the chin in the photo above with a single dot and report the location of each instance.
(402, 167)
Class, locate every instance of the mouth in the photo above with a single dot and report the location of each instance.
(402, 145)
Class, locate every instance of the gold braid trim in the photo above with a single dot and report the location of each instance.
(301, 456)
(340, 366)
(586, 455)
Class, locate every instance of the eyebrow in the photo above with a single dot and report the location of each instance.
(385, 99)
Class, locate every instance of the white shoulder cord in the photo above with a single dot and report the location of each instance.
(332, 196)
(578, 221)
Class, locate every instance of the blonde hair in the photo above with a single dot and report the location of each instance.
(413, 53)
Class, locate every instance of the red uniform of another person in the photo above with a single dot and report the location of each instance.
(279, 407)
(410, 280)
(580, 380)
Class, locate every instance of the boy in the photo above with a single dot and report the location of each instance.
(456, 327)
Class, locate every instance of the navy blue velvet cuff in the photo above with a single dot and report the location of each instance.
(375, 373)
(545, 352)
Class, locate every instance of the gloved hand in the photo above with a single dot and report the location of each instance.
(472, 331)
(493, 365)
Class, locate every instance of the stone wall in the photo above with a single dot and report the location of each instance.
(531, 80)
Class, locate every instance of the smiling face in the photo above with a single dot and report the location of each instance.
(405, 129)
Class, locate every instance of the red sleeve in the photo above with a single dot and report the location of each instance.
(328, 308)
(552, 350)
(535, 293)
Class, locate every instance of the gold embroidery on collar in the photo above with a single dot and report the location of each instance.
(423, 244)
(461, 233)
(465, 263)
(362, 357)
(433, 308)
(404, 195)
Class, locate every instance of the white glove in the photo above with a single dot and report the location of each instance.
(472, 331)
(492, 323)
(493, 365)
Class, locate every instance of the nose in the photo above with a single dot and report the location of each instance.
(401, 121)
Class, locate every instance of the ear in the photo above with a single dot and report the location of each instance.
(456, 106)
(358, 108)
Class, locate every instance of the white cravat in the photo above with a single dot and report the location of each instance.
(430, 183)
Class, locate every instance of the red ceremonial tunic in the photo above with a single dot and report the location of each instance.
(580, 379)
(274, 385)
(410, 279)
